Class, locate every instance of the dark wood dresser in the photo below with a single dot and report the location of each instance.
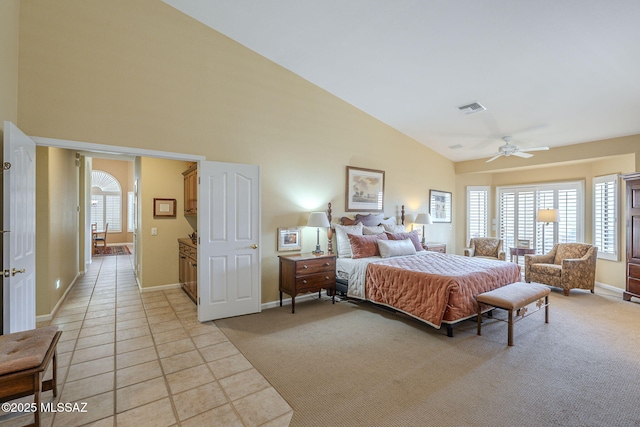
(633, 236)
(302, 273)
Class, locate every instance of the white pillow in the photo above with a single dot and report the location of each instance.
(395, 228)
(391, 248)
(368, 230)
(389, 221)
(342, 240)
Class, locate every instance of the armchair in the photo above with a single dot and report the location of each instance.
(486, 247)
(567, 266)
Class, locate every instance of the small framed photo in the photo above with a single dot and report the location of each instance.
(289, 239)
(440, 206)
(524, 243)
(365, 190)
(164, 208)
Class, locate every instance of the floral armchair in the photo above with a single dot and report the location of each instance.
(567, 266)
(486, 247)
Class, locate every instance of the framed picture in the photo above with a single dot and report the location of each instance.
(524, 243)
(164, 208)
(440, 206)
(289, 239)
(365, 190)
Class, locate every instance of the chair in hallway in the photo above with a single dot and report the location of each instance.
(99, 238)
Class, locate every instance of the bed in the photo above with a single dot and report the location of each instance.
(435, 288)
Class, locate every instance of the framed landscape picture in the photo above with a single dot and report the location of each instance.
(289, 239)
(364, 190)
(440, 206)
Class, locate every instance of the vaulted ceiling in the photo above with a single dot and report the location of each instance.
(548, 72)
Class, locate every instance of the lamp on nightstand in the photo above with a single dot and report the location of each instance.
(318, 219)
(423, 219)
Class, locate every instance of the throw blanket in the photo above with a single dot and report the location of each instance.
(430, 286)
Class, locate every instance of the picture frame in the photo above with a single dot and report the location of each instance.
(289, 239)
(364, 190)
(440, 206)
(164, 208)
(524, 244)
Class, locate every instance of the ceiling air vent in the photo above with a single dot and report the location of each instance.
(471, 108)
(455, 147)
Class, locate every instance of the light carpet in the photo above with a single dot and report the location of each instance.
(355, 364)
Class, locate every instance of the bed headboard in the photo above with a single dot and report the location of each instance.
(349, 221)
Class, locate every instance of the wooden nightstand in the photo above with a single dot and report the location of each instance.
(307, 273)
(436, 247)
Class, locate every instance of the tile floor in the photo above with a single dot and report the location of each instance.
(144, 359)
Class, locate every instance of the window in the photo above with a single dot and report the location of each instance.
(605, 214)
(518, 206)
(477, 212)
(106, 201)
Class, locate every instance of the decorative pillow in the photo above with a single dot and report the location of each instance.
(394, 228)
(365, 246)
(342, 241)
(389, 221)
(370, 230)
(413, 236)
(370, 219)
(391, 248)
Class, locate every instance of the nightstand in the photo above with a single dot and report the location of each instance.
(436, 247)
(302, 273)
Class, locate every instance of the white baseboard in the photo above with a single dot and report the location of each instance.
(287, 301)
(157, 288)
(47, 317)
(610, 288)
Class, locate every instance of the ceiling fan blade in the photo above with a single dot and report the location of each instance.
(535, 149)
(522, 154)
(495, 157)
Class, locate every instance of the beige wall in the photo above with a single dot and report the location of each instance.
(122, 171)
(9, 14)
(159, 260)
(612, 273)
(104, 72)
(57, 225)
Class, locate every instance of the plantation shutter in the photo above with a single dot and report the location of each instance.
(605, 214)
(477, 212)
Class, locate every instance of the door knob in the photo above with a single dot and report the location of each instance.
(254, 246)
(12, 272)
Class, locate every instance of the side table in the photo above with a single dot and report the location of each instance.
(517, 252)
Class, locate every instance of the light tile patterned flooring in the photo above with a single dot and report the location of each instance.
(144, 359)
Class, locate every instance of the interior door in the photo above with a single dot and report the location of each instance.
(229, 240)
(19, 216)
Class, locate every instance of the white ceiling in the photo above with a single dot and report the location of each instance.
(549, 72)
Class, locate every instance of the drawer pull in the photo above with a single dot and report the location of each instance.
(326, 277)
(304, 281)
(327, 264)
(305, 266)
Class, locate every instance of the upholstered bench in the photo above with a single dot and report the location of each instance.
(515, 297)
(24, 359)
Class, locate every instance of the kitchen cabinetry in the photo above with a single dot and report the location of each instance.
(191, 190)
(188, 268)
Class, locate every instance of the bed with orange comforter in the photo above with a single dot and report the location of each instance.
(433, 287)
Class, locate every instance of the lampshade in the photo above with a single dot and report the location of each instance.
(423, 218)
(318, 219)
(548, 215)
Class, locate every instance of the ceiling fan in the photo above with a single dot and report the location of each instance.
(509, 149)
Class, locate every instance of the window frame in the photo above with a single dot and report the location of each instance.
(613, 213)
(100, 190)
(486, 189)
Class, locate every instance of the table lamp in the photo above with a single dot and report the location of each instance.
(423, 219)
(318, 219)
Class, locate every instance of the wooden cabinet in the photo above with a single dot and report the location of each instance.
(188, 268)
(302, 273)
(436, 247)
(191, 190)
(633, 236)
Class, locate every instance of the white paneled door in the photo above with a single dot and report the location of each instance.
(19, 230)
(229, 240)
